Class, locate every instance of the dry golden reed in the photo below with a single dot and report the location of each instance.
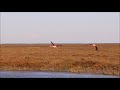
(77, 58)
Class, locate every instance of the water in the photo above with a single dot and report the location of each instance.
(38, 74)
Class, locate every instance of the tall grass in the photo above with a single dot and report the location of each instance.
(69, 58)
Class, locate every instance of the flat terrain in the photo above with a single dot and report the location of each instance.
(79, 58)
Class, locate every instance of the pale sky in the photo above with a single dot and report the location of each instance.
(60, 27)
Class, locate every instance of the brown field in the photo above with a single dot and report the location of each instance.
(68, 58)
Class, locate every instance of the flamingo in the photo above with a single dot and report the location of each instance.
(53, 45)
(94, 45)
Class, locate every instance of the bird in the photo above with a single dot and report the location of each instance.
(94, 45)
(53, 45)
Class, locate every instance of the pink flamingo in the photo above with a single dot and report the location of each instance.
(53, 45)
(94, 45)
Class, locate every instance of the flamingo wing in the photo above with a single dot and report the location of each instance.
(52, 43)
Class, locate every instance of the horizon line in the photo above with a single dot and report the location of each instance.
(60, 43)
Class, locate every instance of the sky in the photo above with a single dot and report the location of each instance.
(60, 27)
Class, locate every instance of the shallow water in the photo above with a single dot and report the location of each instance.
(39, 74)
